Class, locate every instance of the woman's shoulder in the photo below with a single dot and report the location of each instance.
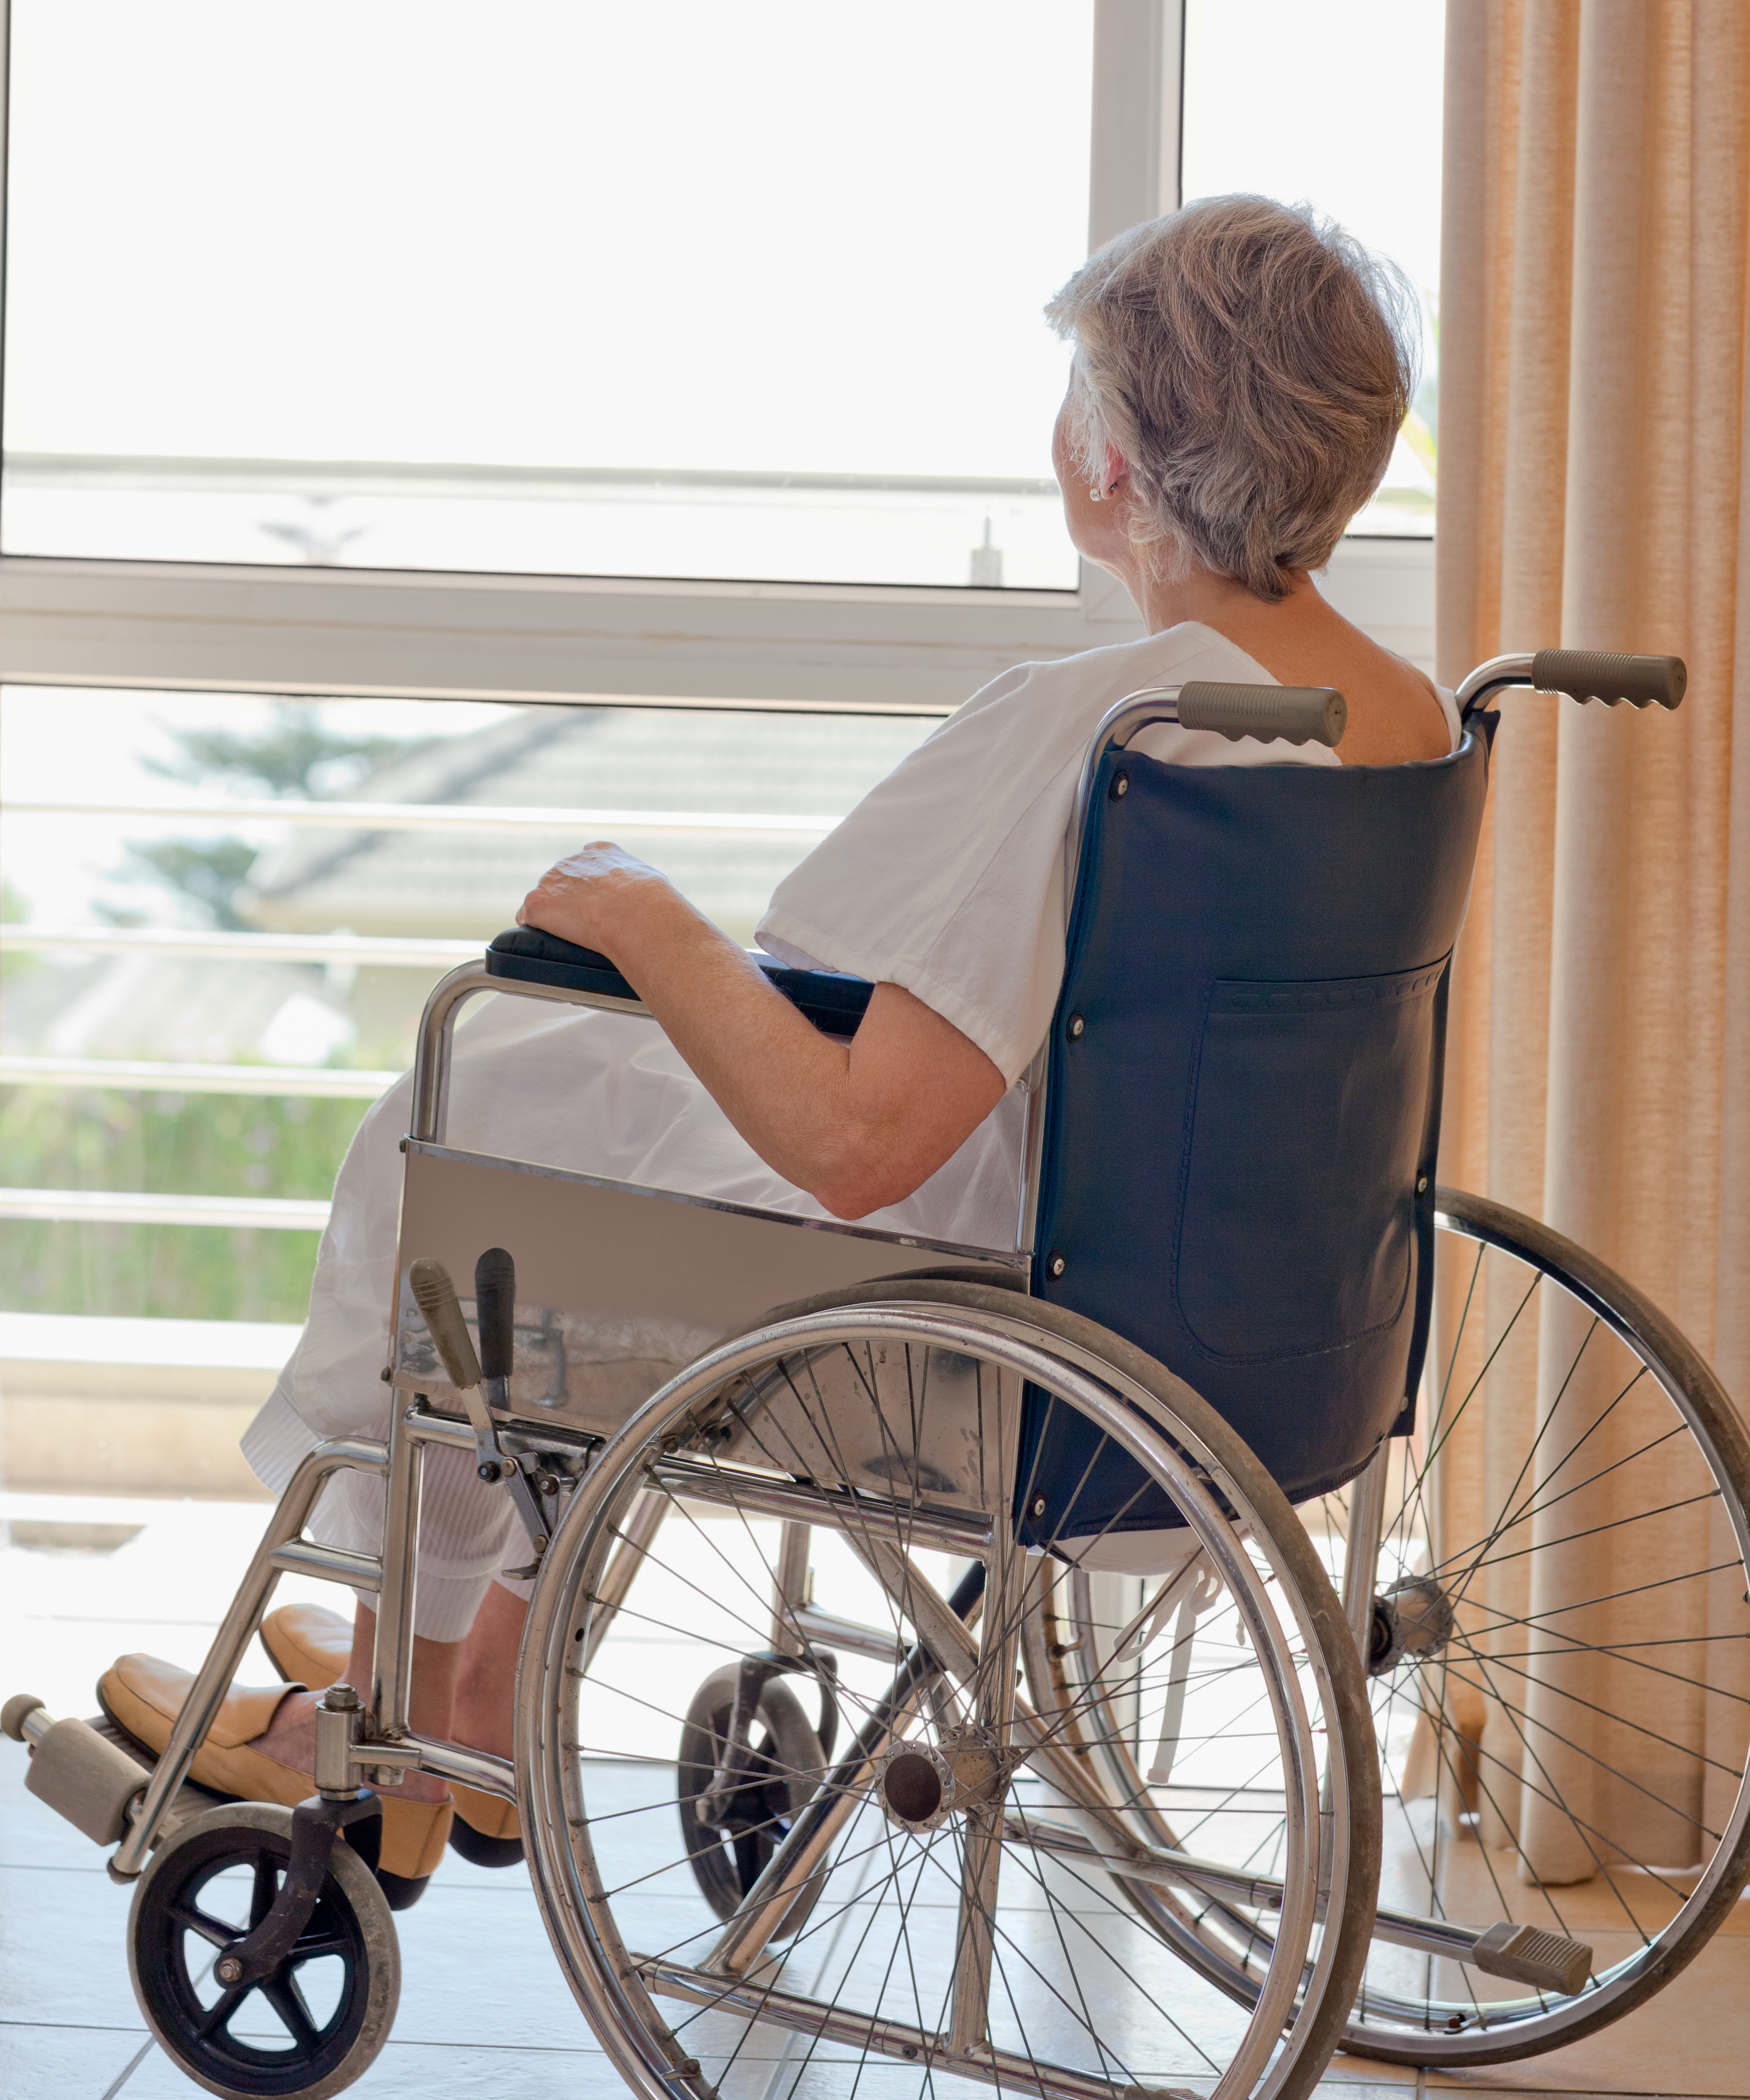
(1174, 656)
(1051, 706)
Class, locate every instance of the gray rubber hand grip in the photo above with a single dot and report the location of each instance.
(1291, 714)
(495, 1312)
(1600, 674)
(436, 1296)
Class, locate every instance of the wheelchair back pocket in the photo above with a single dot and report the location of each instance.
(1307, 1108)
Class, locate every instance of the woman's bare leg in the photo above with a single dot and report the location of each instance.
(486, 1680)
(291, 1737)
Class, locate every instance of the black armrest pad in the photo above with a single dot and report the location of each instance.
(833, 1001)
(526, 953)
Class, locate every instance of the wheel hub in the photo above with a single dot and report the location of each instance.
(1412, 1619)
(920, 1784)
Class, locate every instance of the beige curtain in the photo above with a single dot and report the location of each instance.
(1593, 300)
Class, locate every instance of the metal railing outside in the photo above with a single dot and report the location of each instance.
(137, 1208)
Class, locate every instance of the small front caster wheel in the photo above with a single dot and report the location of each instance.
(729, 1854)
(319, 2019)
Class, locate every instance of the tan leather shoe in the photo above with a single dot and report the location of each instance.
(309, 1644)
(144, 1696)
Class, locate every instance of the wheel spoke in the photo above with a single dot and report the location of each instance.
(317, 1950)
(194, 1919)
(281, 1993)
(1551, 1688)
(217, 2016)
(1535, 1508)
(1484, 1682)
(1595, 1530)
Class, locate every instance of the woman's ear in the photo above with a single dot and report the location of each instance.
(1117, 472)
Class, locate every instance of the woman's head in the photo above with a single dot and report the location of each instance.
(1250, 365)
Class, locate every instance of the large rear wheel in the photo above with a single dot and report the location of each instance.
(1560, 1646)
(853, 1496)
(1556, 1629)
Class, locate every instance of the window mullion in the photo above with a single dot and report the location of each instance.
(1139, 46)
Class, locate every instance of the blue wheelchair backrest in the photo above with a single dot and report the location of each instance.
(1243, 1101)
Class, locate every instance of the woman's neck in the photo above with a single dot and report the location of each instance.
(1228, 607)
(1273, 632)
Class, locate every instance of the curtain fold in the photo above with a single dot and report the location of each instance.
(1594, 291)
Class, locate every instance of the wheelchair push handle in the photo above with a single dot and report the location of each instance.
(1291, 714)
(1583, 674)
(495, 1312)
(1606, 675)
(436, 1296)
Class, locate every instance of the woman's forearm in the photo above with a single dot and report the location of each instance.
(778, 1079)
(858, 1126)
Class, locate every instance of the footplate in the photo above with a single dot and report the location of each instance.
(1529, 1955)
(92, 1773)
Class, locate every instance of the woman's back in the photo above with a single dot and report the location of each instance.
(1395, 715)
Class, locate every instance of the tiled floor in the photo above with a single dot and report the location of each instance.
(484, 2009)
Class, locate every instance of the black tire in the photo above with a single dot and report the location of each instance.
(347, 1953)
(790, 1761)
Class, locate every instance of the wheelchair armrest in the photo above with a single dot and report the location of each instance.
(833, 1001)
(525, 954)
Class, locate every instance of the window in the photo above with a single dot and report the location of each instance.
(570, 288)
(1340, 108)
(235, 462)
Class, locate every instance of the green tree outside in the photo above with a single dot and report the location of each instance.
(191, 1144)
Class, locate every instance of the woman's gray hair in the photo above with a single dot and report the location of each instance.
(1251, 364)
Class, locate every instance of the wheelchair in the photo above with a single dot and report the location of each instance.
(1284, 1605)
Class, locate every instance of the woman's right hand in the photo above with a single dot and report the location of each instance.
(594, 898)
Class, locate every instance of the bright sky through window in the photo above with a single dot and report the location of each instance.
(565, 248)
(576, 287)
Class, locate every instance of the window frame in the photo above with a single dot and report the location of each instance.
(431, 634)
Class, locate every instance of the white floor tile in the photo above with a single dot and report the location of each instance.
(63, 1949)
(66, 2063)
(411, 2070)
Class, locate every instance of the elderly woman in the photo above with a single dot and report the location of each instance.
(1240, 372)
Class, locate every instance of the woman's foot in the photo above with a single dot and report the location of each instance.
(487, 1830)
(290, 1736)
(310, 1644)
(290, 1739)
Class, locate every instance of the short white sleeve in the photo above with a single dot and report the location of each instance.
(949, 878)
